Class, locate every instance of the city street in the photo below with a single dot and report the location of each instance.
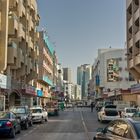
(80, 124)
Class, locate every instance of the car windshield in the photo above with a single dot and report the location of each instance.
(4, 115)
(19, 110)
(130, 110)
(36, 110)
(137, 128)
(136, 114)
(110, 106)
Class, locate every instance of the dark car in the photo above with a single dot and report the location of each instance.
(23, 112)
(9, 124)
(120, 129)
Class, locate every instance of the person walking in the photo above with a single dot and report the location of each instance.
(91, 106)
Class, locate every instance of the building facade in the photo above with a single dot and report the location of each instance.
(133, 36)
(110, 71)
(78, 95)
(67, 74)
(133, 43)
(45, 73)
(19, 19)
(83, 77)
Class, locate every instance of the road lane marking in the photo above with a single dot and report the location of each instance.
(85, 128)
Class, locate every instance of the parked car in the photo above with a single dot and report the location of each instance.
(39, 114)
(9, 124)
(120, 129)
(23, 112)
(136, 116)
(129, 111)
(108, 113)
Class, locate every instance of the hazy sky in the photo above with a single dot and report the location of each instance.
(78, 28)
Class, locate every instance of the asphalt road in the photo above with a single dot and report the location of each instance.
(77, 124)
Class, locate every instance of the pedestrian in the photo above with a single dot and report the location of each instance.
(91, 106)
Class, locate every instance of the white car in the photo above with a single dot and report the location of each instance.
(39, 114)
(108, 113)
(128, 112)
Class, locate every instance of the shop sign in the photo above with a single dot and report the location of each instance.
(135, 88)
(39, 93)
(30, 90)
(3, 81)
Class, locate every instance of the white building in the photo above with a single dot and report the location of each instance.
(110, 70)
(78, 93)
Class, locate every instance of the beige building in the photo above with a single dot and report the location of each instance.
(133, 43)
(18, 47)
(133, 36)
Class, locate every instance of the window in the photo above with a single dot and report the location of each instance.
(120, 128)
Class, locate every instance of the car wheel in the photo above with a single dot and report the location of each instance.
(18, 132)
(47, 119)
(26, 125)
(41, 120)
(31, 123)
(12, 133)
(98, 119)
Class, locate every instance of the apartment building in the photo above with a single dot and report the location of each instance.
(46, 68)
(133, 36)
(133, 42)
(18, 48)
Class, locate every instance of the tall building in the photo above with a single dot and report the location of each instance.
(133, 43)
(67, 74)
(133, 36)
(18, 48)
(83, 77)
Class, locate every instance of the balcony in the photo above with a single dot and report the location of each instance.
(12, 53)
(47, 80)
(21, 31)
(30, 66)
(137, 59)
(13, 4)
(136, 15)
(48, 57)
(131, 64)
(130, 23)
(47, 68)
(137, 36)
(13, 24)
(21, 9)
(31, 45)
(31, 25)
(128, 2)
(130, 43)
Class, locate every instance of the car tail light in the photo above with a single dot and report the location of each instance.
(8, 124)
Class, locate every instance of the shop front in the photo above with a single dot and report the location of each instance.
(5, 85)
(135, 90)
(28, 95)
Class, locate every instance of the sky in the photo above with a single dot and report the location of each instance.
(78, 28)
